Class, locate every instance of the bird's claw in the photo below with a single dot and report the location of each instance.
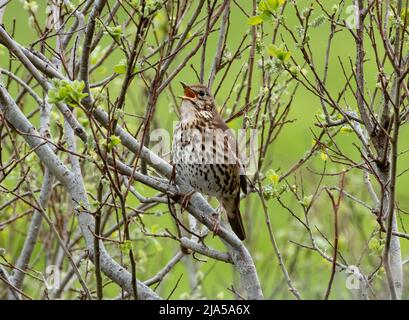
(216, 223)
(186, 199)
(172, 178)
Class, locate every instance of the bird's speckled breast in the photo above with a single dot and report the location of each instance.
(191, 159)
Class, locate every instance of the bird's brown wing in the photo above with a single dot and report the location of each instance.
(232, 146)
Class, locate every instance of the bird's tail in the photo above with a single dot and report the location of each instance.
(232, 207)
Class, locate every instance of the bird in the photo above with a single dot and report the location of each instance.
(204, 154)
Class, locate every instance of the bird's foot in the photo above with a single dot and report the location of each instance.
(172, 177)
(184, 202)
(216, 223)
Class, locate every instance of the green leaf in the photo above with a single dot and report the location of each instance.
(278, 52)
(126, 246)
(135, 4)
(263, 6)
(63, 93)
(272, 51)
(307, 200)
(272, 4)
(283, 56)
(78, 86)
(52, 96)
(269, 6)
(120, 69)
(294, 70)
(113, 141)
(115, 32)
(67, 92)
(273, 177)
(255, 20)
(346, 129)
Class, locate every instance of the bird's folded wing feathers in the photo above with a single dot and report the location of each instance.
(232, 149)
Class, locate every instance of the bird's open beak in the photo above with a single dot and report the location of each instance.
(189, 93)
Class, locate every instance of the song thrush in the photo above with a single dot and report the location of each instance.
(204, 153)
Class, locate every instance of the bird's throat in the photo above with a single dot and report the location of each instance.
(188, 111)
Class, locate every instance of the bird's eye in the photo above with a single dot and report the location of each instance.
(202, 93)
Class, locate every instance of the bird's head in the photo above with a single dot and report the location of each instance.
(199, 95)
